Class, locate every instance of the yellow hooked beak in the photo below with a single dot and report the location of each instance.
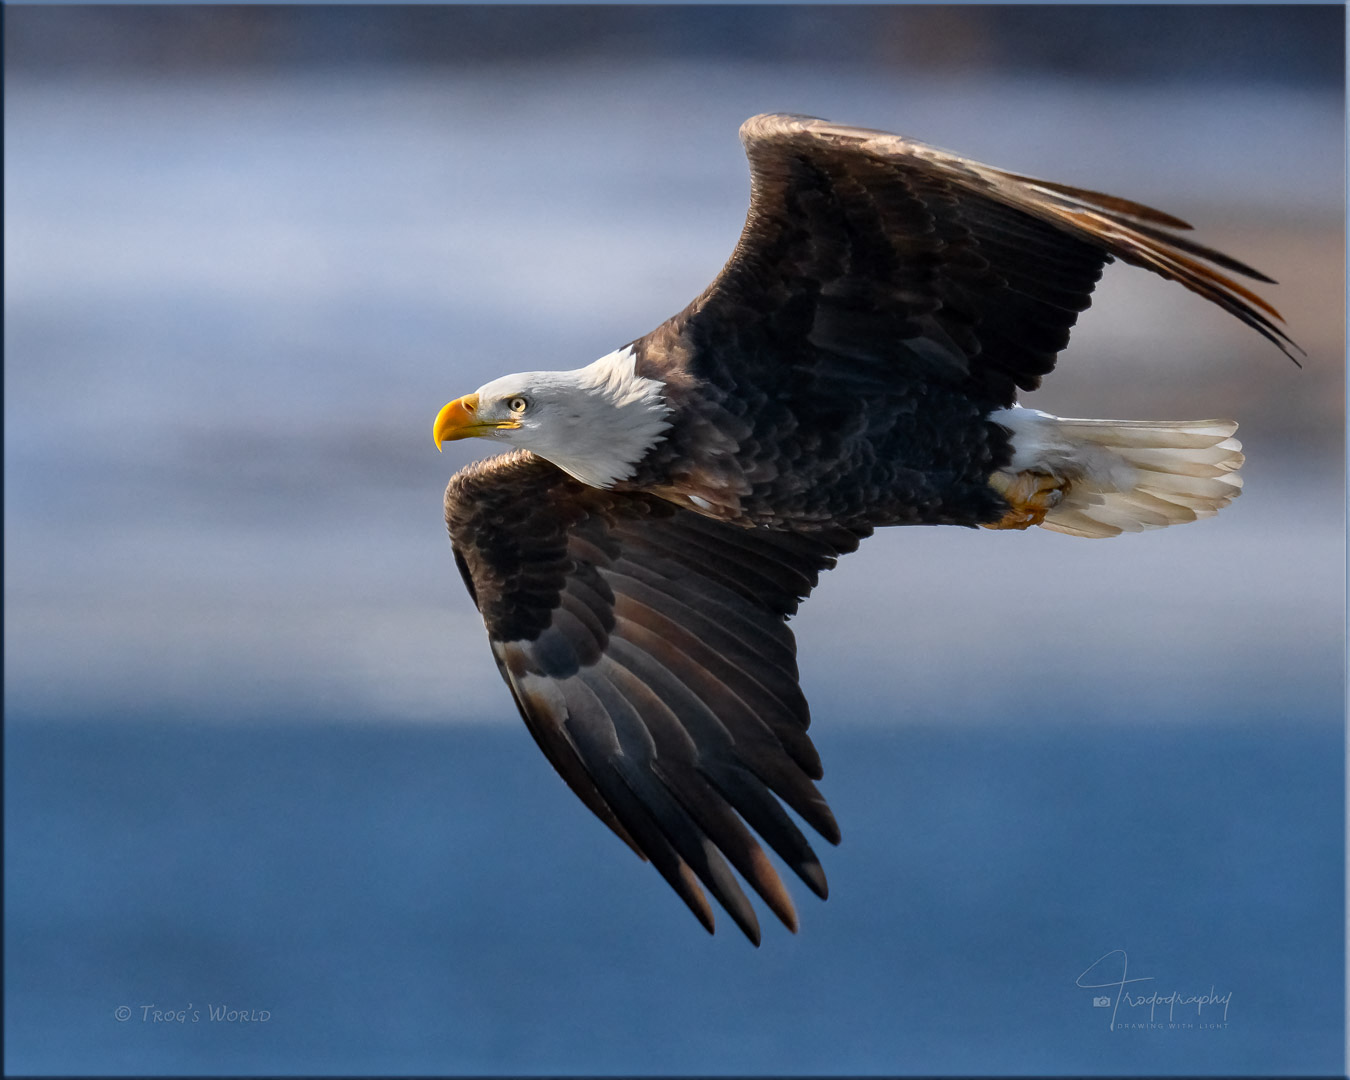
(459, 420)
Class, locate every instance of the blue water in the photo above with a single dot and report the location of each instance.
(415, 899)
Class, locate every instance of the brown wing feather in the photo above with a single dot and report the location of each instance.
(648, 651)
(1117, 226)
(875, 247)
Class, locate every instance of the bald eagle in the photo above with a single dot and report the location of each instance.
(664, 510)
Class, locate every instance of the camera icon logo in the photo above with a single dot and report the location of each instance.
(1101, 1002)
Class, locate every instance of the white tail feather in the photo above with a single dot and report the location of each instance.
(1127, 475)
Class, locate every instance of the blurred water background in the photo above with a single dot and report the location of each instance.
(256, 752)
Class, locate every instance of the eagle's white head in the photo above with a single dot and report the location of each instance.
(596, 422)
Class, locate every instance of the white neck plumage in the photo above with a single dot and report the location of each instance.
(596, 422)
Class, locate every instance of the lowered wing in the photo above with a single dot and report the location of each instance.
(647, 648)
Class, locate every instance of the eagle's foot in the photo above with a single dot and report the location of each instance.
(1031, 495)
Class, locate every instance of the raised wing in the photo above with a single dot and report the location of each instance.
(647, 648)
(868, 257)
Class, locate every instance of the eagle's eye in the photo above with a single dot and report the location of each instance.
(518, 404)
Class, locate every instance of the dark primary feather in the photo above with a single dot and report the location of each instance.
(647, 648)
(884, 297)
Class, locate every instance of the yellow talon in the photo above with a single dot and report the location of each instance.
(1031, 496)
